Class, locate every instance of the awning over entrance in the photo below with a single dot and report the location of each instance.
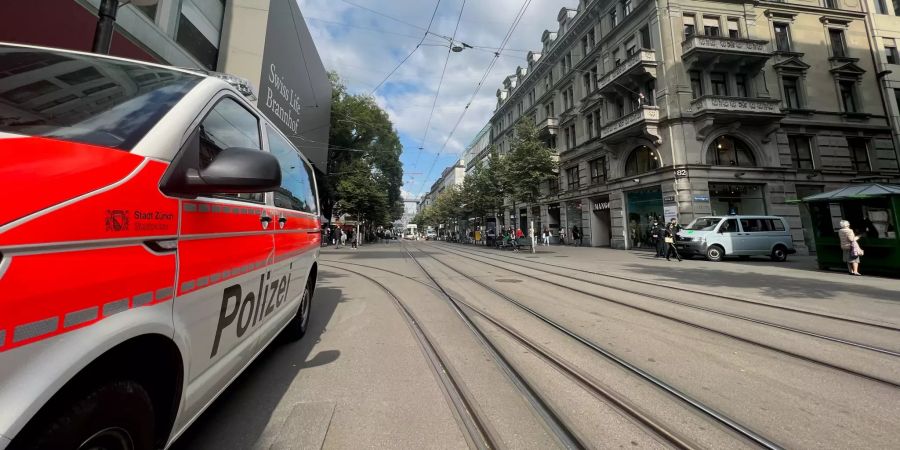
(856, 192)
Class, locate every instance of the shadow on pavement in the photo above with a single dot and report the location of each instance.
(775, 286)
(237, 419)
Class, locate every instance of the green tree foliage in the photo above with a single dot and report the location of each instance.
(483, 188)
(528, 165)
(364, 171)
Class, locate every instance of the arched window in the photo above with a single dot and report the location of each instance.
(730, 151)
(641, 160)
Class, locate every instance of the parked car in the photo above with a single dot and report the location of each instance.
(717, 237)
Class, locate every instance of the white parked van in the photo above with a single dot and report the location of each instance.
(716, 237)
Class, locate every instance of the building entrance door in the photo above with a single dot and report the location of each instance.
(601, 224)
(644, 206)
(806, 218)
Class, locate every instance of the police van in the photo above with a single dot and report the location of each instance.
(157, 233)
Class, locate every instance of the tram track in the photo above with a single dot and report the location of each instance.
(478, 433)
(626, 304)
(587, 381)
(496, 257)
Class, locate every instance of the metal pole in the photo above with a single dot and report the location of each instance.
(106, 23)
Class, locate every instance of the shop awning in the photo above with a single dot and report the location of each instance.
(858, 191)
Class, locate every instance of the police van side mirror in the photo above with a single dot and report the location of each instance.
(236, 170)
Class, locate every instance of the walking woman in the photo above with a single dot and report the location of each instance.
(669, 238)
(850, 247)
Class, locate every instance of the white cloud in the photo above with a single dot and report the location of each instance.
(348, 43)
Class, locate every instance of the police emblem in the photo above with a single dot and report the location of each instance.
(116, 219)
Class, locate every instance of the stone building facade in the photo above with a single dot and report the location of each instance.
(685, 108)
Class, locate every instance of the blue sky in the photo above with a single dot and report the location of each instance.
(357, 39)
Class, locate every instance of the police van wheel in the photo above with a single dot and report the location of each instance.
(298, 325)
(779, 253)
(715, 253)
(114, 416)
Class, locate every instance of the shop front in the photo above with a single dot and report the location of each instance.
(737, 198)
(643, 207)
(601, 223)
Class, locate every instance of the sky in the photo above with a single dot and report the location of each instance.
(363, 40)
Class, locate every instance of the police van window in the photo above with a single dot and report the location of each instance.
(229, 124)
(296, 191)
(729, 226)
(83, 98)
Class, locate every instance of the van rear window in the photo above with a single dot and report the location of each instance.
(83, 98)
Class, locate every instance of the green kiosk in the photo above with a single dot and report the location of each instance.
(873, 211)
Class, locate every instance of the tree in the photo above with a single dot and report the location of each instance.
(363, 161)
(528, 165)
(483, 188)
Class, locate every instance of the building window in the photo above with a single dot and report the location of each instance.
(719, 83)
(584, 46)
(859, 154)
(782, 37)
(549, 110)
(617, 60)
(572, 135)
(591, 41)
(641, 160)
(588, 126)
(848, 95)
(696, 83)
(199, 31)
(572, 178)
(613, 19)
(740, 82)
(630, 47)
(838, 46)
(831, 4)
(645, 38)
(801, 153)
(881, 7)
(729, 151)
(791, 93)
(598, 170)
(690, 26)
(626, 7)
(594, 78)
(897, 97)
(711, 26)
(648, 93)
(897, 7)
(734, 29)
(890, 51)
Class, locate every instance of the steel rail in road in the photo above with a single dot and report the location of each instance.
(559, 429)
(685, 322)
(478, 434)
(704, 409)
(688, 290)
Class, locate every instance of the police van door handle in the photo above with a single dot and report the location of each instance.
(282, 220)
(265, 218)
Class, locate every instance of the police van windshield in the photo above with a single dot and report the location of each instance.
(85, 99)
(704, 224)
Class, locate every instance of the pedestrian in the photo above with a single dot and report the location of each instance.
(669, 239)
(562, 236)
(674, 224)
(533, 238)
(354, 239)
(850, 247)
(657, 237)
(546, 236)
(576, 236)
(343, 239)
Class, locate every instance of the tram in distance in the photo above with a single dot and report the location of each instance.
(157, 233)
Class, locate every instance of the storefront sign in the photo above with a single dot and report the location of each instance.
(701, 198)
(669, 199)
(602, 206)
(670, 212)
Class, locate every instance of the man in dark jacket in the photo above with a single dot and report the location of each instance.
(657, 233)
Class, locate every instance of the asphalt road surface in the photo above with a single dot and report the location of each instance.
(437, 345)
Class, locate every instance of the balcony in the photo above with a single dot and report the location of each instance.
(548, 126)
(710, 110)
(720, 51)
(632, 73)
(642, 122)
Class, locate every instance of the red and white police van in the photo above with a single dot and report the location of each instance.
(156, 233)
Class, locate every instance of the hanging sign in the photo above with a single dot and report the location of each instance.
(601, 206)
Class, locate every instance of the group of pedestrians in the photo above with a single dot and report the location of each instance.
(338, 237)
(663, 237)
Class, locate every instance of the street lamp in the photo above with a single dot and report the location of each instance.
(106, 23)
